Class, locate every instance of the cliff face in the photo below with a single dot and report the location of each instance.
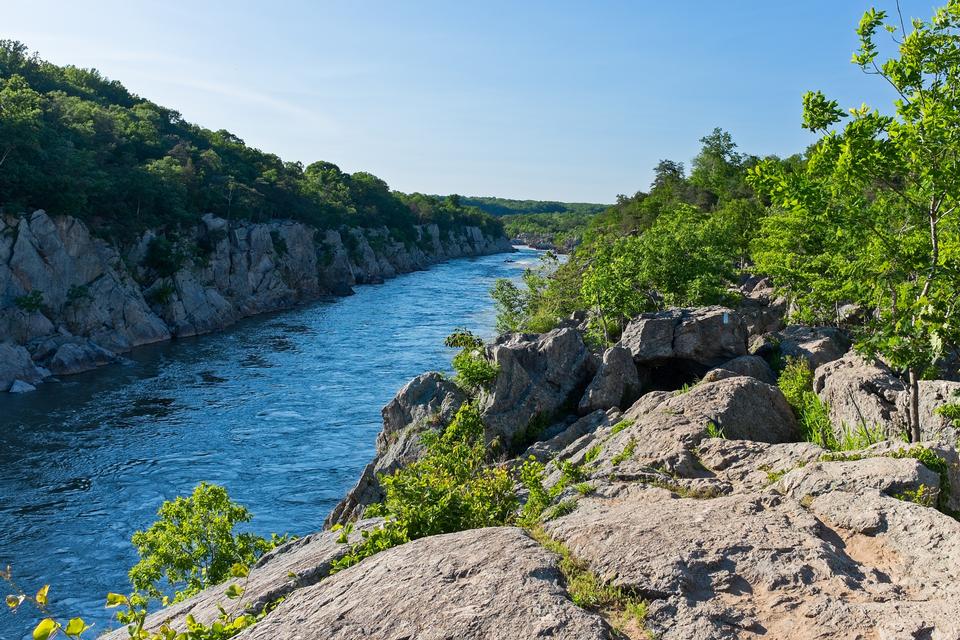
(70, 302)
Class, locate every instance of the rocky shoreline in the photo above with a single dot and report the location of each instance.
(70, 302)
(697, 494)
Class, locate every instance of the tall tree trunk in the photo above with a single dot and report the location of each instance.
(914, 394)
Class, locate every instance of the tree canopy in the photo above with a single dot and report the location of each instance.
(74, 142)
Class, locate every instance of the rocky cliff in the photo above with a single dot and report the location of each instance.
(70, 301)
(696, 494)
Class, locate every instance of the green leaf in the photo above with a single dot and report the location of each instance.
(14, 601)
(234, 591)
(47, 628)
(239, 570)
(41, 596)
(76, 626)
(115, 600)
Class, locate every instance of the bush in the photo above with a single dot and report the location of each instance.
(30, 302)
(450, 489)
(193, 545)
(162, 257)
(813, 415)
(474, 371)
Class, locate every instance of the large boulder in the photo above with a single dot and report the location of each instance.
(861, 394)
(617, 383)
(706, 336)
(893, 476)
(752, 366)
(429, 401)
(16, 364)
(540, 376)
(473, 585)
(818, 345)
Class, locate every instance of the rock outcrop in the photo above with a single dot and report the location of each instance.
(75, 301)
(699, 500)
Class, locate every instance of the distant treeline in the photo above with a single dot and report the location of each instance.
(74, 142)
(506, 207)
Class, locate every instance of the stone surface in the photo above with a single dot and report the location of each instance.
(19, 386)
(761, 565)
(818, 345)
(616, 384)
(429, 401)
(752, 366)
(102, 300)
(706, 336)
(889, 475)
(15, 364)
(540, 375)
(294, 565)
(481, 584)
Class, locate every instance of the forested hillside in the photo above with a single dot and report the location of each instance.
(505, 206)
(74, 142)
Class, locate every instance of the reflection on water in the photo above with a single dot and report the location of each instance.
(283, 410)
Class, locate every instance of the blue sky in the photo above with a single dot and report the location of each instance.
(551, 100)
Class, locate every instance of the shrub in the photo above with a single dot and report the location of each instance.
(813, 415)
(451, 488)
(474, 371)
(193, 545)
(30, 302)
(627, 452)
(162, 257)
(77, 292)
(279, 243)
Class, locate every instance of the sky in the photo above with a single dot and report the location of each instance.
(553, 100)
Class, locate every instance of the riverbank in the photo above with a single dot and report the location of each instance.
(70, 302)
(673, 487)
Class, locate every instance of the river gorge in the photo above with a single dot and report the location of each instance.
(282, 409)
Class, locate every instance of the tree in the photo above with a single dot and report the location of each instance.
(871, 219)
(193, 545)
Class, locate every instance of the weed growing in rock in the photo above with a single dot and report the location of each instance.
(587, 590)
(620, 426)
(30, 302)
(714, 430)
(592, 453)
(627, 452)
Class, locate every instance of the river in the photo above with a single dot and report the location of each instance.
(282, 409)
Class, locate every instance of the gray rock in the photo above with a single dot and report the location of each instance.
(545, 450)
(888, 475)
(616, 384)
(818, 345)
(860, 393)
(16, 365)
(706, 335)
(750, 565)
(752, 366)
(77, 356)
(482, 584)
(19, 386)
(539, 376)
(749, 466)
(429, 401)
(295, 565)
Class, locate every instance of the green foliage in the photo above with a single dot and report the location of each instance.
(451, 488)
(714, 430)
(474, 371)
(163, 257)
(867, 219)
(279, 243)
(77, 293)
(562, 230)
(588, 591)
(30, 302)
(922, 495)
(620, 426)
(813, 415)
(626, 453)
(530, 208)
(193, 545)
(161, 294)
(593, 452)
(77, 143)
(950, 411)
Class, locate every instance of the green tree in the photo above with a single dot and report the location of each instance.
(871, 218)
(193, 544)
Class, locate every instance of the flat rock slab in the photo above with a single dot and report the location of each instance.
(764, 566)
(292, 566)
(494, 583)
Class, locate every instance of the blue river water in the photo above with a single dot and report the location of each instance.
(282, 409)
